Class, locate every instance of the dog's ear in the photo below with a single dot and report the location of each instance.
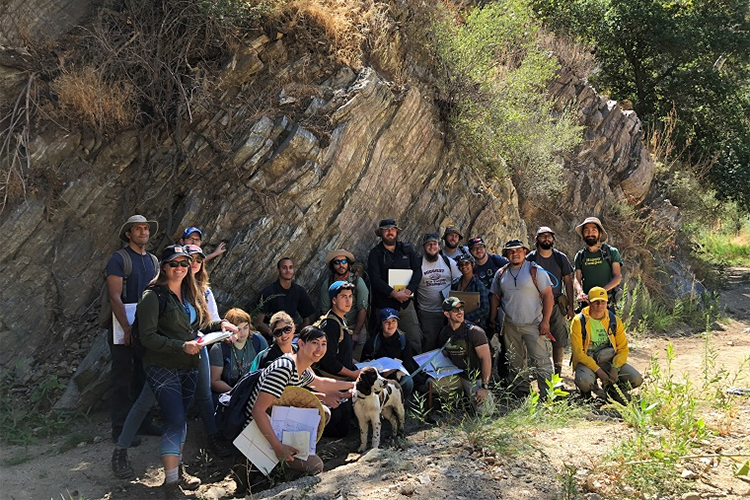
(366, 379)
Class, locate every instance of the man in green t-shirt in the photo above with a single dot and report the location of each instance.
(597, 264)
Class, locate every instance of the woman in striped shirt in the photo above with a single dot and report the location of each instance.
(294, 370)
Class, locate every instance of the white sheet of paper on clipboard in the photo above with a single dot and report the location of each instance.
(398, 279)
(439, 367)
(118, 334)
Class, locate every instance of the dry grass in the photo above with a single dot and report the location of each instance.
(83, 95)
(574, 56)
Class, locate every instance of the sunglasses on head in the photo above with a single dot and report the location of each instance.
(182, 263)
(282, 331)
(339, 261)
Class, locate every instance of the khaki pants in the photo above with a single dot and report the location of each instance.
(522, 342)
(585, 379)
(453, 383)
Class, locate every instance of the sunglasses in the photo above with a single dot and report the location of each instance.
(339, 261)
(182, 263)
(282, 331)
(457, 309)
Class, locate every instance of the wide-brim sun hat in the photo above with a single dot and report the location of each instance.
(453, 229)
(153, 226)
(593, 220)
(511, 244)
(339, 251)
(386, 224)
(300, 397)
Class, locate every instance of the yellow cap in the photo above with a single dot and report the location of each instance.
(598, 293)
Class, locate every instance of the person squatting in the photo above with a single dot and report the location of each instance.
(505, 320)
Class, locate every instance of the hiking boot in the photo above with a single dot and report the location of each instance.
(172, 491)
(187, 481)
(241, 476)
(120, 464)
(219, 446)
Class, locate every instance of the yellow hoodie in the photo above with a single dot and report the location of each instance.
(580, 348)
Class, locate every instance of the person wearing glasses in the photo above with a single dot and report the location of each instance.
(282, 328)
(466, 345)
(194, 236)
(169, 315)
(340, 267)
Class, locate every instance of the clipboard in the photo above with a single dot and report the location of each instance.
(470, 299)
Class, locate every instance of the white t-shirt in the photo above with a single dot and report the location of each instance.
(436, 277)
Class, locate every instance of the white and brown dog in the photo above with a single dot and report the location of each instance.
(374, 396)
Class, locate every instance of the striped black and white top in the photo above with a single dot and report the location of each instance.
(275, 378)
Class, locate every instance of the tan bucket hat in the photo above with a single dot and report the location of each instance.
(300, 397)
(339, 251)
(592, 220)
(153, 226)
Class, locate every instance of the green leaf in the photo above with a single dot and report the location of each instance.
(744, 469)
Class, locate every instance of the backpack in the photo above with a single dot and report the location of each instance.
(105, 310)
(612, 325)
(319, 323)
(531, 257)
(230, 411)
(606, 255)
(135, 334)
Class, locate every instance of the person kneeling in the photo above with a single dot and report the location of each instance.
(600, 349)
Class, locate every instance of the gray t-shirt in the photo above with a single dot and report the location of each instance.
(436, 283)
(520, 299)
(550, 264)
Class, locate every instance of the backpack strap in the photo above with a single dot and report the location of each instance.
(327, 316)
(582, 318)
(612, 323)
(127, 268)
(606, 254)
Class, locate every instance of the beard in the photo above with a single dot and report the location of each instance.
(431, 258)
(341, 271)
(449, 245)
(545, 245)
(591, 240)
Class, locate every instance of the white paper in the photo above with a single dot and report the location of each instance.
(399, 278)
(213, 337)
(254, 445)
(118, 334)
(299, 440)
(291, 419)
(384, 365)
(439, 367)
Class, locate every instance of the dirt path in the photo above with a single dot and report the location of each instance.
(438, 463)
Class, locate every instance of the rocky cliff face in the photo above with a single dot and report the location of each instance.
(271, 184)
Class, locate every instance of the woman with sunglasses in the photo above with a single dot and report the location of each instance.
(282, 328)
(169, 314)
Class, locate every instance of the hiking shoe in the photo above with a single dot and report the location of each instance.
(219, 446)
(172, 491)
(120, 464)
(187, 481)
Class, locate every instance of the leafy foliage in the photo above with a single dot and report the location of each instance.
(494, 77)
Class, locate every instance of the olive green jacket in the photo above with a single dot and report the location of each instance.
(164, 336)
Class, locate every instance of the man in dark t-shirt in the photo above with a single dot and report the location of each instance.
(467, 347)
(284, 295)
(125, 284)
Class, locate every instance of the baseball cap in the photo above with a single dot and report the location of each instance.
(192, 229)
(194, 250)
(388, 313)
(173, 251)
(451, 303)
(386, 224)
(337, 286)
(465, 257)
(476, 241)
(598, 293)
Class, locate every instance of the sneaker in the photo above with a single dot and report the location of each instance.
(172, 491)
(120, 464)
(218, 446)
(187, 481)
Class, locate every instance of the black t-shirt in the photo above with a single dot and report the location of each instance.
(487, 271)
(339, 354)
(295, 301)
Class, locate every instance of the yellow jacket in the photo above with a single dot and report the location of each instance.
(580, 348)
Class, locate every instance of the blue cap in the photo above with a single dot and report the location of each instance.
(337, 286)
(388, 313)
(192, 229)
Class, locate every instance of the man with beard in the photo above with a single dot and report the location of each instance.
(438, 272)
(598, 264)
(525, 294)
(452, 249)
(556, 263)
(393, 254)
(284, 295)
(339, 263)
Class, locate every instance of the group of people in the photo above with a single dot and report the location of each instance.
(400, 304)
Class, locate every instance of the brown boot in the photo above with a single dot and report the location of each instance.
(188, 482)
(172, 491)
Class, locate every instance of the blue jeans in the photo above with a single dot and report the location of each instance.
(174, 389)
(137, 413)
(203, 397)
